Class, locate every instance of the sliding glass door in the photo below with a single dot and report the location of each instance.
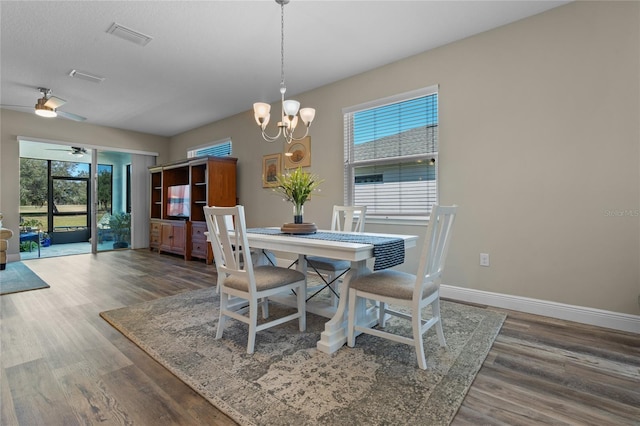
(111, 201)
(69, 198)
(82, 200)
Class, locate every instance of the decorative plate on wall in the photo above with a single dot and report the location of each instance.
(300, 154)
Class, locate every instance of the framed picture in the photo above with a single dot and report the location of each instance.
(271, 167)
(300, 154)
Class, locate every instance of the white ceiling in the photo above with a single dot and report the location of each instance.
(212, 59)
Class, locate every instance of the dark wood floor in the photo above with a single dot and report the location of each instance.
(63, 365)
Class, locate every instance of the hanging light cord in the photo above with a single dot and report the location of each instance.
(282, 86)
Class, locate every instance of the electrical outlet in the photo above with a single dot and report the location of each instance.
(484, 259)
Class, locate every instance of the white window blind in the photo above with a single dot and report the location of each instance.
(391, 153)
(216, 149)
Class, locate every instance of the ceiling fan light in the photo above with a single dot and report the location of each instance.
(45, 112)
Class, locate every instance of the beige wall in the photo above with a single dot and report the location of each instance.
(540, 147)
(539, 138)
(14, 124)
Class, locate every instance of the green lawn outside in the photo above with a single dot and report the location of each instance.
(33, 213)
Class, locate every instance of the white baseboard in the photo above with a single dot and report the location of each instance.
(581, 314)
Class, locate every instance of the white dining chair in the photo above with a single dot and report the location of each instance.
(346, 219)
(239, 278)
(413, 292)
(230, 226)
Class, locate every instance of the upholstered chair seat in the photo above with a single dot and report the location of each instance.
(267, 277)
(326, 264)
(390, 283)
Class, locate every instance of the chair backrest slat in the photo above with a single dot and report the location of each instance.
(434, 252)
(227, 234)
(344, 216)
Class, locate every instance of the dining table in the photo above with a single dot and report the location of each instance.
(385, 250)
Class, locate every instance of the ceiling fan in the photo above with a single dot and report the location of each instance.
(76, 151)
(47, 106)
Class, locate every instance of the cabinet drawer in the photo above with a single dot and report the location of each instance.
(199, 248)
(197, 232)
(154, 235)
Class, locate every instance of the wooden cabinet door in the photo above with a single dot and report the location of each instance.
(166, 237)
(173, 237)
(179, 238)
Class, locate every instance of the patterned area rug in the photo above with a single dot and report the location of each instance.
(288, 382)
(18, 277)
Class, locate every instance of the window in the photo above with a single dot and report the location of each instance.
(391, 153)
(217, 149)
(55, 194)
(105, 189)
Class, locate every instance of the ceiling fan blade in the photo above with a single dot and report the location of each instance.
(54, 102)
(70, 116)
(16, 106)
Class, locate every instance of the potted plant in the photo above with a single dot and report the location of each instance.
(29, 225)
(120, 225)
(296, 187)
(45, 239)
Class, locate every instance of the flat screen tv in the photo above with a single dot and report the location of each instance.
(178, 201)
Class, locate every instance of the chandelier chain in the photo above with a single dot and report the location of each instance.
(282, 44)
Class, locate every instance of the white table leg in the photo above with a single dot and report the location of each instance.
(302, 267)
(335, 331)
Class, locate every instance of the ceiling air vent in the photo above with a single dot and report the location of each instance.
(86, 76)
(129, 34)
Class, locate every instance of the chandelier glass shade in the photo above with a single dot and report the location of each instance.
(291, 112)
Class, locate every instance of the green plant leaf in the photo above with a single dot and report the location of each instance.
(297, 186)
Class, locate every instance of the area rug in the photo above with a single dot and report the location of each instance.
(18, 277)
(288, 382)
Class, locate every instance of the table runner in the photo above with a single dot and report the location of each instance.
(388, 251)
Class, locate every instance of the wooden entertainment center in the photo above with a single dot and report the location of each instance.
(179, 191)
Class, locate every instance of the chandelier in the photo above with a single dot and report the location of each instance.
(290, 109)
